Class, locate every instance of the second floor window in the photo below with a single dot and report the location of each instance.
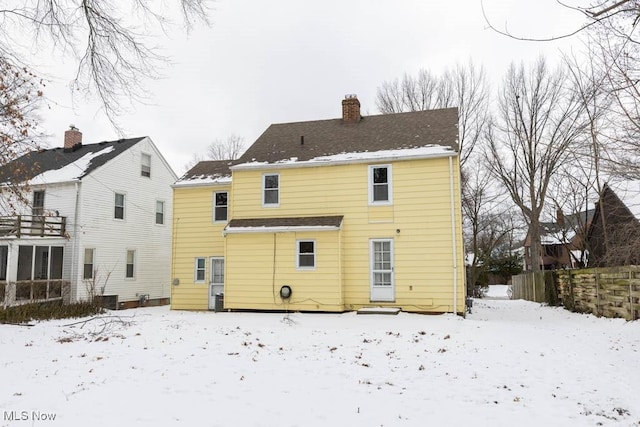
(146, 165)
(221, 205)
(380, 184)
(38, 203)
(159, 212)
(271, 189)
(118, 212)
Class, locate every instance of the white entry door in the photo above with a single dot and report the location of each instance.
(381, 260)
(216, 280)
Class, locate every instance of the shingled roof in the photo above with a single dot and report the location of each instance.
(304, 141)
(283, 224)
(36, 163)
(207, 172)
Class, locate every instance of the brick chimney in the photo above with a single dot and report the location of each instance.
(72, 138)
(351, 109)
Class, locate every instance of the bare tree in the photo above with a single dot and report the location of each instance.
(109, 42)
(607, 13)
(537, 123)
(488, 223)
(463, 86)
(229, 148)
(21, 94)
(226, 149)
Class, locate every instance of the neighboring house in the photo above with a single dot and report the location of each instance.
(561, 242)
(97, 221)
(328, 215)
(614, 234)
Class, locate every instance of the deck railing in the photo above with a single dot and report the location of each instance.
(33, 226)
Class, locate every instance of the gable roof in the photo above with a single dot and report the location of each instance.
(60, 165)
(305, 141)
(206, 172)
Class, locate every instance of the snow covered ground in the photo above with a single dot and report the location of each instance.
(509, 363)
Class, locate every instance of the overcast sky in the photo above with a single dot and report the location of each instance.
(263, 62)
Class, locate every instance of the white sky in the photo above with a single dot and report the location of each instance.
(263, 62)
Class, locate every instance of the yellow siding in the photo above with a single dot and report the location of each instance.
(195, 234)
(419, 222)
(254, 281)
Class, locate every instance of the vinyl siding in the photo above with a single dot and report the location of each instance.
(111, 238)
(195, 235)
(255, 281)
(419, 222)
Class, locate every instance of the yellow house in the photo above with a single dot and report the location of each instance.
(330, 215)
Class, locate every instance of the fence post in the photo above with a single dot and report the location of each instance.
(632, 311)
(597, 293)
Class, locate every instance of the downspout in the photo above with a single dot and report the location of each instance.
(453, 238)
(75, 248)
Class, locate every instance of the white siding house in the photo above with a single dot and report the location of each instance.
(114, 202)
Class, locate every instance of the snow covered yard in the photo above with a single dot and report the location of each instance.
(508, 363)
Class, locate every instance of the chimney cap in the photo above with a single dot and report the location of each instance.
(72, 127)
(351, 96)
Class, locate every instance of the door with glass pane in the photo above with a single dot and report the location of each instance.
(381, 257)
(216, 280)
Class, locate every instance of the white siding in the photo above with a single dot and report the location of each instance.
(112, 238)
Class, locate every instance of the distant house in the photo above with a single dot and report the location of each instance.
(614, 234)
(327, 215)
(95, 220)
(562, 242)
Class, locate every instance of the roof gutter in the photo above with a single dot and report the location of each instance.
(290, 164)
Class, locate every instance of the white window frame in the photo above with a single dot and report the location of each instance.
(162, 213)
(215, 195)
(124, 205)
(203, 269)
(264, 189)
(144, 167)
(389, 185)
(126, 264)
(38, 210)
(93, 263)
(314, 253)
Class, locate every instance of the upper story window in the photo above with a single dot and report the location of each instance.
(220, 208)
(306, 254)
(271, 189)
(118, 211)
(37, 207)
(145, 165)
(159, 212)
(380, 189)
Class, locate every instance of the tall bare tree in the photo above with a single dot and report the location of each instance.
(229, 148)
(21, 94)
(463, 86)
(538, 122)
(110, 41)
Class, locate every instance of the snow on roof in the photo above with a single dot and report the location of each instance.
(427, 151)
(72, 171)
(203, 180)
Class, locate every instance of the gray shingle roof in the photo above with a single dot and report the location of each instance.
(209, 169)
(36, 162)
(307, 140)
(309, 221)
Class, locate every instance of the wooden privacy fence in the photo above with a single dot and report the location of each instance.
(608, 292)
(537, 287)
